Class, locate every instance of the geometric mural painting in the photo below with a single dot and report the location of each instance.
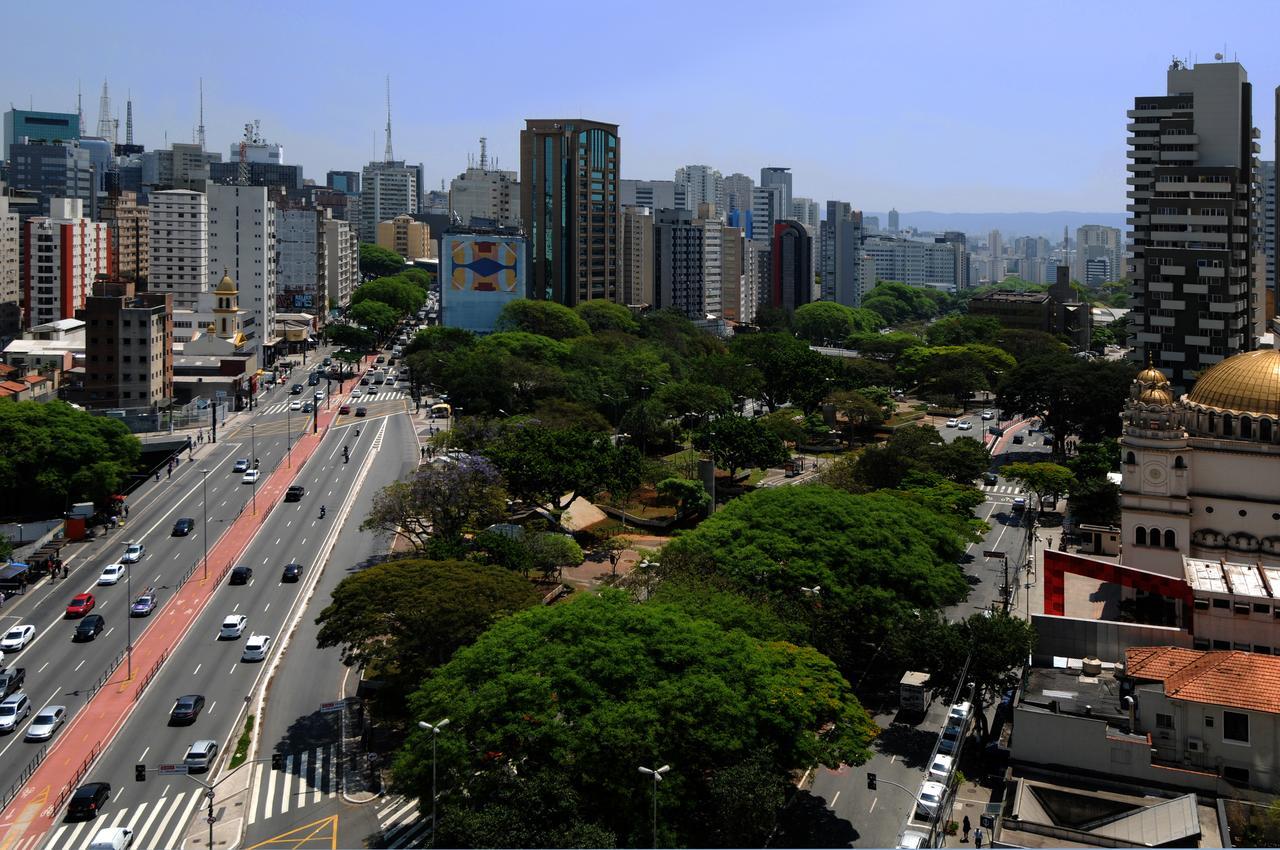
(485, 266)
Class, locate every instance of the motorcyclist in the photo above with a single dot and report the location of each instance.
(322, 511)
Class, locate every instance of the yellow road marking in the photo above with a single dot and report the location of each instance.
(295, 839)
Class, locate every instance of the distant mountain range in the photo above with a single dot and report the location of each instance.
(1048, 224)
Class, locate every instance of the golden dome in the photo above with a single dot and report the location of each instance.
(1151, 375)
(226, 286)
(1244, 383)
(1156, 395)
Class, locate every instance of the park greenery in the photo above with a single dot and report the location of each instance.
(56, 454)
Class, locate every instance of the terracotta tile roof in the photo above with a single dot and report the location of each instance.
(6, 369)
(13, 386)
(1244, 680)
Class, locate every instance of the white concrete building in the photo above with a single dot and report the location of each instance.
(65, 254)
(654, 194)
(702, 185)
(242, 244)
(1098, 242)
(266, 152)
(933, 265)
(486, 194)
(769, 205)
(179, 245)
(342, 262)
(387, 189)
(736, 193)
(10, 271)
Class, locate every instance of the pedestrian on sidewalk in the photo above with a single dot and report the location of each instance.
(966, 826)
(977, 837)
(126, 513)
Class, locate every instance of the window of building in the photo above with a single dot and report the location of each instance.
(1201, 604)
(1235, 775)
(1140, 536)
(1222, 644)
(1261, 608)
(1164, 721)
(1235, 727)
(1170, 539)
(1221, 603)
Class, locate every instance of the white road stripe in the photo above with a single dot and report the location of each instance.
(257, 792)
(271, 794)
(287, 781)
(140, 834)
(180, 826)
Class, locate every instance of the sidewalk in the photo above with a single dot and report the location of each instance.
(973, 801)
(92, 729)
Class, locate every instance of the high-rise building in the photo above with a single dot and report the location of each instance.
(10, 270)
(183, 166)
(654, 194)
(342, 262)
(274, 175)
(768, 206)
(571, 210)
(736, 191)
(36, 126)
(1268, 219)
(733, 252)
(807, 212)
(893, 222)
(678, 263)
(258, 150)
(637, 256)
(242, 243)
(847, 284)
(791, 255)
(301, 260)
(486, 197)
(1096, 241)
(777, 176)
(1193, 172)
(935, 265)
(54, 170)
(346, 182)
(388, 189)
(129, 225)
(65, 254)
(128, 347)
(836, 211)
(702, 185)
(409, 238)
(179, 246)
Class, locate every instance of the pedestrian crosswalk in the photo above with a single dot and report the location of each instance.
(1007, 489)
(308, 777)
(366, 398)
(158, 823)
(401, 824)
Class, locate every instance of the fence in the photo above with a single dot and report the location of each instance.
(23, 776)
(146, 680)
(70, 787)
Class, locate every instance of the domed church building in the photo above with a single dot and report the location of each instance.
(1201, 473)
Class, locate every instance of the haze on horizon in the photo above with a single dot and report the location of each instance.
(980, 107)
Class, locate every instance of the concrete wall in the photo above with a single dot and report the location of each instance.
(1105, 639)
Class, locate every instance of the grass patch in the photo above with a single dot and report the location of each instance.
(756, 476)
(242, 746)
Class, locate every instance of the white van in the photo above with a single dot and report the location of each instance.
(112, 838)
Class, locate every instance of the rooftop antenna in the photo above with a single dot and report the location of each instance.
(128, 119)
(79, 106)
(388, 156)
(104, 113)
(484, 154)
(200, 132)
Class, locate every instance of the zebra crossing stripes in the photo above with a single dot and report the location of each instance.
(309, 776)
(385, 395)
(401, 824)
(1009, 489)
(159, 823)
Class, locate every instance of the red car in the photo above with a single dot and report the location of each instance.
(346, 408)
(81, 605)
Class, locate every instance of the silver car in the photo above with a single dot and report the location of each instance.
(200, 755)
(47, 721)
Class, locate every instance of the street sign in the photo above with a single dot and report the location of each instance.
(208, 792)
(171, 769)
(336, 705)
(992, 553)
(210, 819)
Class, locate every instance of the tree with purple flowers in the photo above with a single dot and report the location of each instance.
(443, 501)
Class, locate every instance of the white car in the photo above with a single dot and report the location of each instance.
(912, 840)
(295, 405)
(988, 415)
(319, 395)
(133, 553)
(940, 769)
(47, 721)
(17, 637)
(930, 798)
(255, 648)
(951, 423)
(249, 477)
(965, 425)
(357, 393)
(959, 713)
(232, 626)
(111, 574)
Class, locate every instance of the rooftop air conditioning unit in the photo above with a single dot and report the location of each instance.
(1195, 745)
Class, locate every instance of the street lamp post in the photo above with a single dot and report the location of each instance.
(128, 622)
(253, 450)
(288, 437)
(204, 537)
(657, 777)
(434, 729)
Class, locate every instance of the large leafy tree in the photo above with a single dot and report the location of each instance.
(356, 337)
(735, 442)
(376, 261)
(1044, 479)
(378, 317)
(398, 292)
(988, 648)
(789, 369)
(917, 452)
(963, 330)
(546, 318)
(55, 454)
(687, 398)
(556, 465)
(821, 321)
(559, 704)
(607, 316)
(441, 500)
(956, 371)
(402, 618)
(1071, 396)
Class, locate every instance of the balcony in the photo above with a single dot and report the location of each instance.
(1173, 186)
(1173, 271)
(1211, 325)
(1211, 271)
(1200, 220)
(1223, 306)
(1192, 139)
(1172, 305)
(1159, 285)
(1160, 321)
(1149, 113)
(1179, 156)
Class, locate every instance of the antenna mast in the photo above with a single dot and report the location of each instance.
(79, 106)
(128, 120)
(105, 128)
(484, 154)
(388, 156)
(200, 131)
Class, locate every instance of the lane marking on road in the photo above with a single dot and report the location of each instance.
(197, 670)
(832, 804)
(873, 805)
(173, 840)
(42, 666)
(235, 609)
(143, 757)
(264, 610)
(154, 814)
(232, 671)
(78, 666)
(211, 705)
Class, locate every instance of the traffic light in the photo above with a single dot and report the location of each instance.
(140, 772)
(871, 782)
(277, 761)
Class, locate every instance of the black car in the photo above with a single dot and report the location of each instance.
(186, 709)
(183, 527)
(241, 575)
(88, 628)
(89, 800)
(362, 411)
(364, 382)
(296, 389)
(990, 478)
(1018, 439)
(295, 493)
(292, 572)
(313, 379)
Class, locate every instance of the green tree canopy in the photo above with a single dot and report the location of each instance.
(568, 694)
(897, 302)
(542, 317)
(995, 645)
(397, 292)
(355, 337)
(376, 261)
(1044, 479)
(917, 452)
(885, 348)
(556, 465)
(964, 330)
(735, 442)
(443, 499)
(402, 618)
(687, 398)
(822, 321)
(379, 318)
(55, 455)
(607, 316)
(1072, 396)
(688, 495)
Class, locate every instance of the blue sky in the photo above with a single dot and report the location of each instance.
(957, 107)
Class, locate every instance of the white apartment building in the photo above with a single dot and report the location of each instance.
(487, 194)
(702, 185)
(179, 245)
(54, 286)
(242, 243)
(654, 194)
(637, 256)
(1098, 242)
(342, 262)
(933, 265)
(736, 193)
(768, 206)
(712, 267)
(387, 189)
(10, 271)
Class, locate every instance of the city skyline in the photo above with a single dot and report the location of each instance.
(970, 119)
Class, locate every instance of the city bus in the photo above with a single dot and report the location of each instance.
(441, 411)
